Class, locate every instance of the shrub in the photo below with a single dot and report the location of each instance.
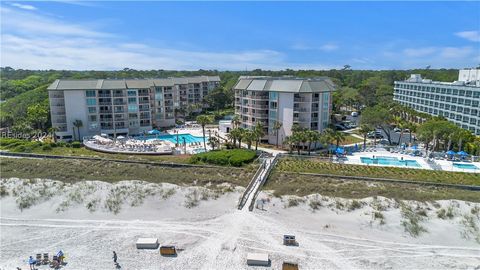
(234, 157)
(76, 144)
(53, 144)
(354, 205)
(47, 147)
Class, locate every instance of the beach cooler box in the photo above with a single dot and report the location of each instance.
(289, 266)
(260, 259)
(147, 243)
(168, 251)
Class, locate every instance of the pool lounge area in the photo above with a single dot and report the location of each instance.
(382, 157)
(185, 137)
(390, 161)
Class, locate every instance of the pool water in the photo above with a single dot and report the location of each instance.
(392, 161)
(189, 138)
(465, 166)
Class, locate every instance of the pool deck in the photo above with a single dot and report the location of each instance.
(444, 165)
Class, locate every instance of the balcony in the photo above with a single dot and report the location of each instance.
(107, 103)
(104, 95)
(119, 103)
(105, 111)
(58, 104)
(300, 110)
(301, 119)
(55, 96)
(119, 95)
(301, 100)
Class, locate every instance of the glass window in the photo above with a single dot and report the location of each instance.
(92, 118)
(91, 93)
(132, 108)
(273, 95)
(91, 101)
(132, 100)
(132, 93)
(92, 109)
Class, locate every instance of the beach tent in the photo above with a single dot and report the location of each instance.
(153, 132)
(260, 259)
(147, 243)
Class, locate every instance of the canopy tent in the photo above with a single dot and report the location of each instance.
(153, 131)
(340, 151)
(450, 152)
(462, 153)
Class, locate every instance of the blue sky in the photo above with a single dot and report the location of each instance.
(239, 35)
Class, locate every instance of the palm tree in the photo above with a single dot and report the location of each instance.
(249, 136)
(288, 140)
(53, 131)
(312, 136)
(337, 136)
(259, 133)
(241, 135)
(326, 137)
(276, 126)
(204, 120)
(364, 130)
(78, 124)
(213, 141)
(234, 135)
(236, 121)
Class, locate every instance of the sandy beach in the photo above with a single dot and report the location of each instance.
(84, 220)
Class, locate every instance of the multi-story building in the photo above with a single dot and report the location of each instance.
(287, 100)
(457, 101)
(121, 106)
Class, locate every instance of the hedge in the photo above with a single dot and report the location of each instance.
(230, 157)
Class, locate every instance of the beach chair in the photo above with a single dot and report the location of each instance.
(38, 259)
(45, 258)
(54, 263)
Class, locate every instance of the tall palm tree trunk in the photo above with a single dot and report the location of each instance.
(204, 144)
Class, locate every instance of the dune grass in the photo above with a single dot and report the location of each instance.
(283, 183)
(326, 167)
(78, 170)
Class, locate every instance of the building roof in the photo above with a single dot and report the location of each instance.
(284, 84)
(67, 84)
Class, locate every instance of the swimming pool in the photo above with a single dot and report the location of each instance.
(390, 161)
(465, 166)
(189, 138)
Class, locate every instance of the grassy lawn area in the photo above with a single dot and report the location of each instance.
(325, 167)
(294, 184)
(349, 139)
(78, 170)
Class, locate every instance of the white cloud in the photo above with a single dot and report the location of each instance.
(33, 41)
(419, 52)
(469, 35)
(300, 46)
(328, 47)
(23, 6)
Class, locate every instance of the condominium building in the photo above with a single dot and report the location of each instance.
(121, 106)
(457, 101)
(286, 100)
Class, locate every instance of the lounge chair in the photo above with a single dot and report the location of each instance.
(38, 259)
(45, 258)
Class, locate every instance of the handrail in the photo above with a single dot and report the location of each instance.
(247, 191)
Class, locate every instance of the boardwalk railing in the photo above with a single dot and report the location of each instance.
(263, 180)
(248, 190)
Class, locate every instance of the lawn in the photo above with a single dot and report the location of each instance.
(349, 139)
(24, 146)
(325, 167)
(78, 170)
(294, 184)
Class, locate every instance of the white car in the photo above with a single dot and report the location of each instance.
(354, 114)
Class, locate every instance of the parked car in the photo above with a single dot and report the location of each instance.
(340, 127)
(354, 114)
(397, 130)
(375, 134)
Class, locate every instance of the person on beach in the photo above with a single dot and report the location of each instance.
(114, 257)
(32, 263)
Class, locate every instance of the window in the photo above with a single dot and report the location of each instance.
(91, 93)
(273, 95)
(132, 100)
(92, 118)
(132, 93)
(132, 108)
(92, 109)
(273, 105)
(91, 101)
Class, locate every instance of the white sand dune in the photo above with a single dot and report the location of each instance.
(214, 235)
